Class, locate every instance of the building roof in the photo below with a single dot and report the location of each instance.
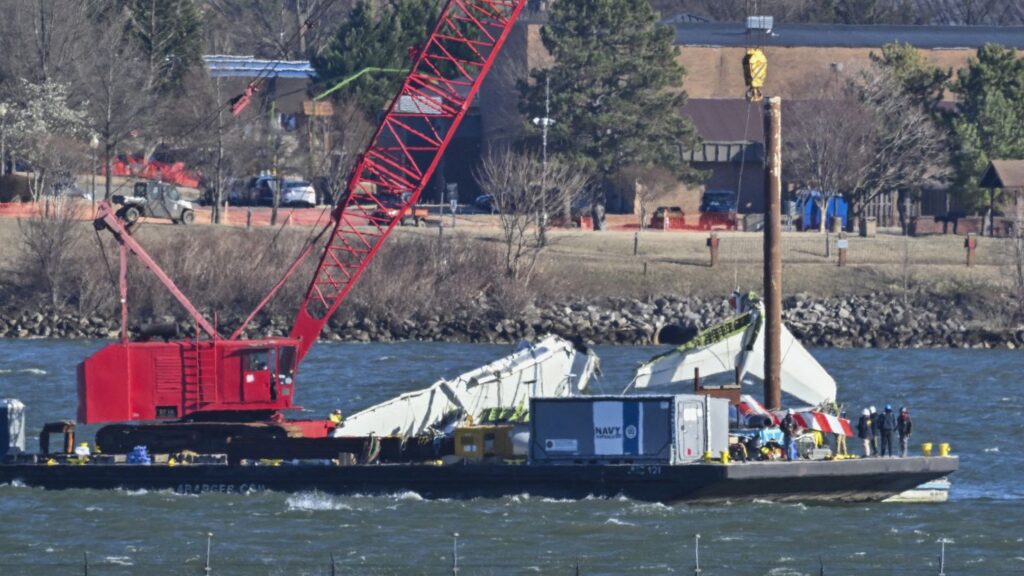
(1004, 174)
(838, 35)
(726, 119)
(249, 67)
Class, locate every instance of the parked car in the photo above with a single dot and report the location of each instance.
(668, 218)
(718, 210)
(154, 200)
(261, 190)
(485, 202)
(298, 193)
(416, 216)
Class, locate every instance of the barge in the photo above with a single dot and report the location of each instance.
(864, 480)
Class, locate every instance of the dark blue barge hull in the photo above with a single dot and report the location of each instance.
(836, 481)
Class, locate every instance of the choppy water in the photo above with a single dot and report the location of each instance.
(971, 399)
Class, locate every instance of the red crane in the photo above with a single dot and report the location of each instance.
(209, 388)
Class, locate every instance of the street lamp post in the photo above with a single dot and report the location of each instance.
(3, 138)
(544, 123)
(94, 143)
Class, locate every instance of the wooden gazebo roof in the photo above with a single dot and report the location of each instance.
(1005, 174)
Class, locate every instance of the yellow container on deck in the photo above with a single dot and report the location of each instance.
(482, 441)
(725, 456)
(926, 448)
(944, 449)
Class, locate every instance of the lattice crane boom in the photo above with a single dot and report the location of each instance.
(390, 175)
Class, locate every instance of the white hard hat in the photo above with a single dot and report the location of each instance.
(867, 412)
(873, 410)
(790, 411)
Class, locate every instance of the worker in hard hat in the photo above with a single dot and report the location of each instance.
(336, 418)
(789, 428)
(876, 420)
(841, 438)
(887, 426)
(82, 452)
(864, 431)
(904, 426)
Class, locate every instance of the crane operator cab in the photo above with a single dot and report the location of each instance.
(181, 379)
(267, 373)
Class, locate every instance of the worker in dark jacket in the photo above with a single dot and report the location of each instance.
(864, 431)
(789, 427)
(887, 426)
(874, 431)
(904, 426)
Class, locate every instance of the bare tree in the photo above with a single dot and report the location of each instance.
(514, 182)
(111, 77)
(40, 39)
(904, 146)
(336, 142)
(828, 143)
(273, 28)
(651, 186)
(50, 238)
(974, 12)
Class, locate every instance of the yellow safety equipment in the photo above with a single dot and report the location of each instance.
(755, 70)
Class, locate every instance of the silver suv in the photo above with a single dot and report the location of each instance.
(155, 200)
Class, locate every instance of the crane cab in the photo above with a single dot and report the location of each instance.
(128, 381)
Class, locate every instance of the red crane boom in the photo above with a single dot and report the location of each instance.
(236, 380)
(406, 149)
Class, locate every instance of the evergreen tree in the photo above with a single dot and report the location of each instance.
(615, 88)
(990, 120)
(922, 81)
(382, 39)
(169, 34)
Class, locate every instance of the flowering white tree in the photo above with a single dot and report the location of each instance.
(46, 132)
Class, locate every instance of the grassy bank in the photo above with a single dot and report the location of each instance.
(420, 272)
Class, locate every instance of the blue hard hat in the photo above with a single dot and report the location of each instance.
(888, 407)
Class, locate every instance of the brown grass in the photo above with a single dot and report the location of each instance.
(417, 274)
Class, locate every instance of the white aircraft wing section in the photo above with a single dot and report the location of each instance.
(714, 351)
(802, 375)
(542, 369)
(740, 342)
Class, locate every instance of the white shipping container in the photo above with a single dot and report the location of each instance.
(667, 429)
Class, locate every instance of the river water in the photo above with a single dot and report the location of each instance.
(970, 399)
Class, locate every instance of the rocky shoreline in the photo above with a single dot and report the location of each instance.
(877, 320)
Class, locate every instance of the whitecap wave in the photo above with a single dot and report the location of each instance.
(992, 449)
(617, 522)
(133, 492)
(36, 371)
(120, 560)
(314, 502)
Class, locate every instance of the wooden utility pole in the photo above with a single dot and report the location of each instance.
(773, 253)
